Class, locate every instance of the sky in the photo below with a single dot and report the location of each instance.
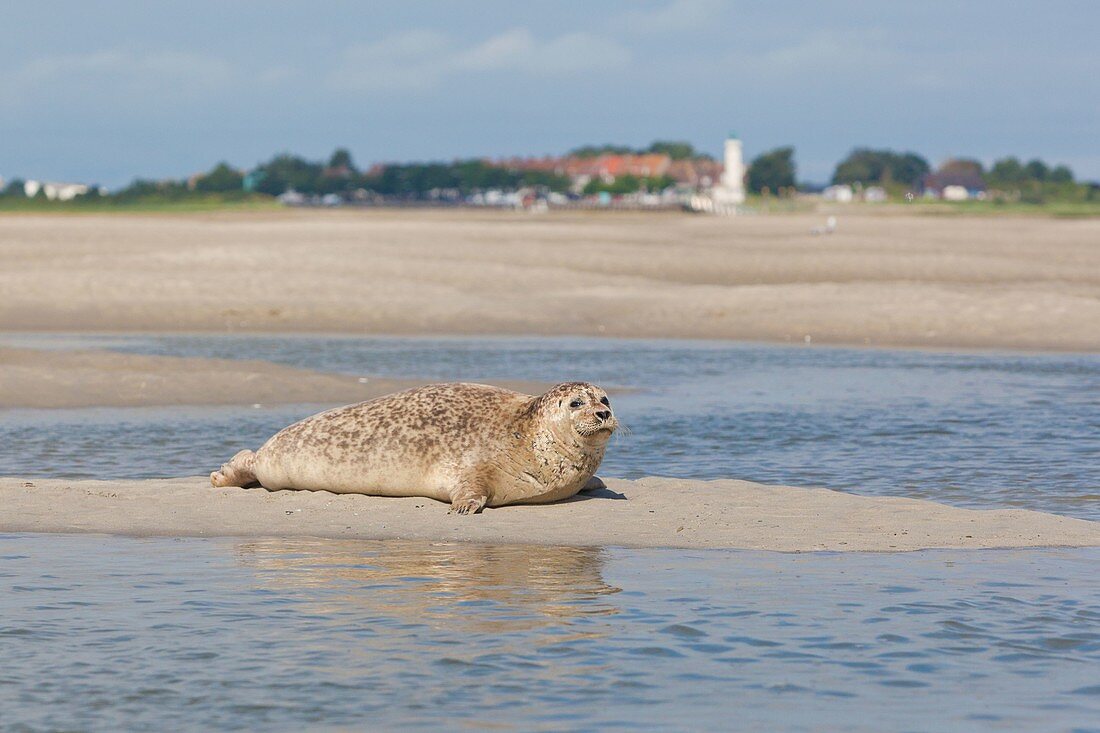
(106, 92)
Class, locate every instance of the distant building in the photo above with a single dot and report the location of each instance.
(726, 189)
(730, 190)
(970, 183)
(874, 194)
(841, 194)
(290, 197)
(695, 172)
(954, 193)
(54, 191)
(606, 167)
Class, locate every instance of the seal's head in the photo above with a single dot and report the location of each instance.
(582, 409)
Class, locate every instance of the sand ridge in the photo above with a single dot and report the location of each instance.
(650, 512)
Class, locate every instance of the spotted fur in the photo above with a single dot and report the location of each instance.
(471, 445)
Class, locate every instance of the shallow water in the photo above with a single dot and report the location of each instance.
(107, 633)
(976, 430)
(149, 635)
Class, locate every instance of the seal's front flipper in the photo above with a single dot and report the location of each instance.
(468, 498)
(594, 484)
(472, 505)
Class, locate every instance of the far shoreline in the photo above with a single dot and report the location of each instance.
(717, 342)
(755, 206)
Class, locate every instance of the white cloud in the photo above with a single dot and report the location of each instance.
(678, 15)
(575, 52)
(423, 59)
(498, 52)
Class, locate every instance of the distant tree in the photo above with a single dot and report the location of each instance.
(220, 179)
(545, 179)
(864, 165)
(91, 194)
(341, 158)
(772, 170)
(14, 187)
(1011, 172)
(656, 184)
(1007, 171)
(594, 151)
(1061, 174)
(285, 172)
(908, 169)
(625, 183)
(860, 166)
(1036, 170)
(137, 188)
(417, 180)
(675, 149)
(628, 183)
(141, 188)
(962, 167)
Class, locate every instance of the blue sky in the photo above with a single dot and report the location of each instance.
(104, 92)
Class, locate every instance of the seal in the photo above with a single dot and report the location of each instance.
(470, 445)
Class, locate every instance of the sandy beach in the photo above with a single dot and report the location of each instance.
(887, 280)
(651, 512)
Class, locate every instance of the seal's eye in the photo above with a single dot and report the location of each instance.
(605, 401)
(576, 403)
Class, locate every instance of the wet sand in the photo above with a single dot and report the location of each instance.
(650, 512)
(890, 280)
(39, 378)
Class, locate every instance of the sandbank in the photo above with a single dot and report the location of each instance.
(650, 512)
(891, 280)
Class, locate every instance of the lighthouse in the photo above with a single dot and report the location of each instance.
(729, 192)
(731, 188)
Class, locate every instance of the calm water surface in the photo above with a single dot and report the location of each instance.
(151, 635)
(103, 633)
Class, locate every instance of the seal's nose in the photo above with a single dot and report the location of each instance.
(603, 414)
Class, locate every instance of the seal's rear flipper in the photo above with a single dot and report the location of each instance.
(594, 484)
(238, 472)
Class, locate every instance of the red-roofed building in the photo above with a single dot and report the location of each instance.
(696, 172)
(610, 167)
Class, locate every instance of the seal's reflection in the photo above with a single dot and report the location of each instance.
(479, 588)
